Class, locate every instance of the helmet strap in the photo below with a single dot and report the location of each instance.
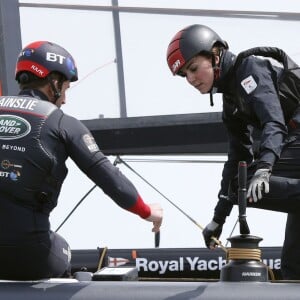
(216, 69)
(211, 99)
(56, 91)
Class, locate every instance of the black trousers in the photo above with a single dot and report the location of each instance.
(49, 257)
(284, 196)
(288, 166)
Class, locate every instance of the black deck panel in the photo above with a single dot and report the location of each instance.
(200, 133)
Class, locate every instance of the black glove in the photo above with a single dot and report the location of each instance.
(213, 229)
(259, 183)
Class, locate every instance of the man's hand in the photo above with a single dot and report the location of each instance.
(156, 216)
(259, 183)
(213, 229)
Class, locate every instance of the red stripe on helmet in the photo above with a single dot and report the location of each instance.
(176, 61)
(173, 46)
(35, 45)
(178, 35)
(174, 55)
(33, 67)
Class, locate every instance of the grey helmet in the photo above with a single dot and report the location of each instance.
(189, 42)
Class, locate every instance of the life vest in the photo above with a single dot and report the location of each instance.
(25, 164)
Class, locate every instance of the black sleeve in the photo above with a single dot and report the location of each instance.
(83, 150)
(239, 149)
(239, 146)
(264, 103)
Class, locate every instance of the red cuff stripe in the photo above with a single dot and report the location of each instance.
(140, 208)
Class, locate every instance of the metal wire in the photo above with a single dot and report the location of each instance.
(145, 160)
(71, 212)
(80, 201)
(119, 160)
(231, 233)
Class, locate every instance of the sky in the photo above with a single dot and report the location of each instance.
(150, 90)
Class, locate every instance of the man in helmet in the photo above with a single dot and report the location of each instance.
(251, 100)
(36, 139)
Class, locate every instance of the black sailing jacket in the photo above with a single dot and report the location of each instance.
(251, 100)
(36, 138)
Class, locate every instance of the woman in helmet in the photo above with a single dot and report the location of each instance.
(36, 139)
(250, 101)
(201, 47)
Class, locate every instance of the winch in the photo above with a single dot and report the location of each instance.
(244, 256)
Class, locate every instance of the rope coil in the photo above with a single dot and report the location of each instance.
(243, 253)
(247, 254)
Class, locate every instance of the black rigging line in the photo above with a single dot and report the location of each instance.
(79, 202)
(157, 160)
(119, 160)
(157, 235)
(71, 212)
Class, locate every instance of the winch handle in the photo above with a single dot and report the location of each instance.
(242, 197)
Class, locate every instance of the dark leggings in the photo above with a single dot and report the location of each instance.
(50, 257)
(284, 196)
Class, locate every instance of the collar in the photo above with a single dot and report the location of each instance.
(34, 93)
(226, 64)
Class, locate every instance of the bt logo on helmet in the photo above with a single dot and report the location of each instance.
(176, 65)
(55, 57)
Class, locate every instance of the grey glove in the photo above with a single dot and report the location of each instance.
(213, 229)
(259, 183)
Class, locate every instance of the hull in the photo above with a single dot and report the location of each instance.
(163, 273)
(154, 290)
